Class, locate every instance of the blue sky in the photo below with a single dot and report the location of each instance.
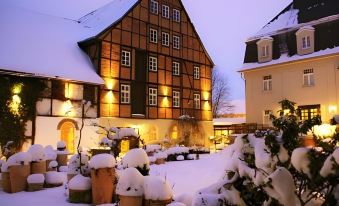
(224, 26)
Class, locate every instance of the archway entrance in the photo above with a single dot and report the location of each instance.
(67, 131)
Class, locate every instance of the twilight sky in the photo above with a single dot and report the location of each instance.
(223, 26)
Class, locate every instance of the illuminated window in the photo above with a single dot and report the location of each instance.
(125, 58)
(165, 39)
(176, 15)
(176, 42)
(176, 68)
(165, 11)
(308, 111)
(176, 99)
(153, 64)
(153, 97)
(125, 94)
(196, 72)
(308, 77)
(306, 42)
(267, 83)
(154, 7)
(153, 35)
(196, 101)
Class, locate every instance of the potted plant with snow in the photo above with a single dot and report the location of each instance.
(80, 189)
(75, 167)
(103, 178)
(38, 164)
(53, 166)
(54, 179)
(19, 170)
(35, 182)
(130, 187)
(50, 154)
(138, 159)
(62, 153)
(160, 158)
(157, 191)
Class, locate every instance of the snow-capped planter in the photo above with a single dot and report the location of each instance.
(152, 148)
(38, 164)
(308, 141)
(138, 159)
(35, 182)
(54, 179)
(173, 152)
(157, 192)
(103, 178)
(50, 154)
(160, 158)
(180, 158)
(6, 182)
(53, 166)
(18, 166)
(130, 187)
(80, 189)
(62, 153)
(74, 166)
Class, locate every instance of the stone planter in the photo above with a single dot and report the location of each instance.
(130, 201)
(18, 175)
(6, 182)
(62, 159)
(38, 167)
(32, 187)
(160, 161)
(103, 185)
(156, 202)
(80, 196)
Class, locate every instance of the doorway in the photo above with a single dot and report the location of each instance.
(67, 132)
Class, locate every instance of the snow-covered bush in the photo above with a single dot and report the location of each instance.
(160, 155)
(130, 183)
(105, 142)
(152, 159)
(50, 153)
(272, 167)
(157, 188)
(180, 158)
(75, 167)
(53, 165)
(80, 182)
(102, 161)
(37, 152)
(36, 179)
(153, 148)
(138, 159)
(21, 158)
(173, 152)
(191, 157)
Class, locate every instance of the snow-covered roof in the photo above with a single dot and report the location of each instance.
(284, 58)
(228, 121)
(40, 41)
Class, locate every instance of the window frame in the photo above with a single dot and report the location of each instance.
(176, 15)
(152, 96)
(265, 51)
(176, 99)
(306, 42)
(176, 67)
(165, 10)
(196, 72)
(267, 83)
(152, 65)
(123, 60)
(309, 74)
(165, 39)
(176, 42)
(125, 99)
(153, 35)
(152, 9)
(309, 111)
(196, 101)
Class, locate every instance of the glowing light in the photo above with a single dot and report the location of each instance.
(206, 106)
(165, 102)
(109, 84)
(324, 131)
(286, 111)
(69, 88)
(15, 104)
(206, 95)
(17, 88)
(165, 90)
(68, 108)
(332, 109)
(109, 97)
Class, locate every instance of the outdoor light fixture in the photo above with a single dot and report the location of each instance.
(324, 131)
(109, 84)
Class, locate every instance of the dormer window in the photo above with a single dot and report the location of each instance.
(305, 40)
(265, 49)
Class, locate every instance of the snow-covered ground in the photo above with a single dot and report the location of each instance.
(186, 177)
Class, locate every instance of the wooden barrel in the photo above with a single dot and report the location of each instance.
(32, 187)
(38, 167)
(62, 159)
(130, 201)
(18, 175)
(80, 196)
(6, 182)
(103, 185)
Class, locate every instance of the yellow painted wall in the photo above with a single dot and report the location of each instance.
(287, 82)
